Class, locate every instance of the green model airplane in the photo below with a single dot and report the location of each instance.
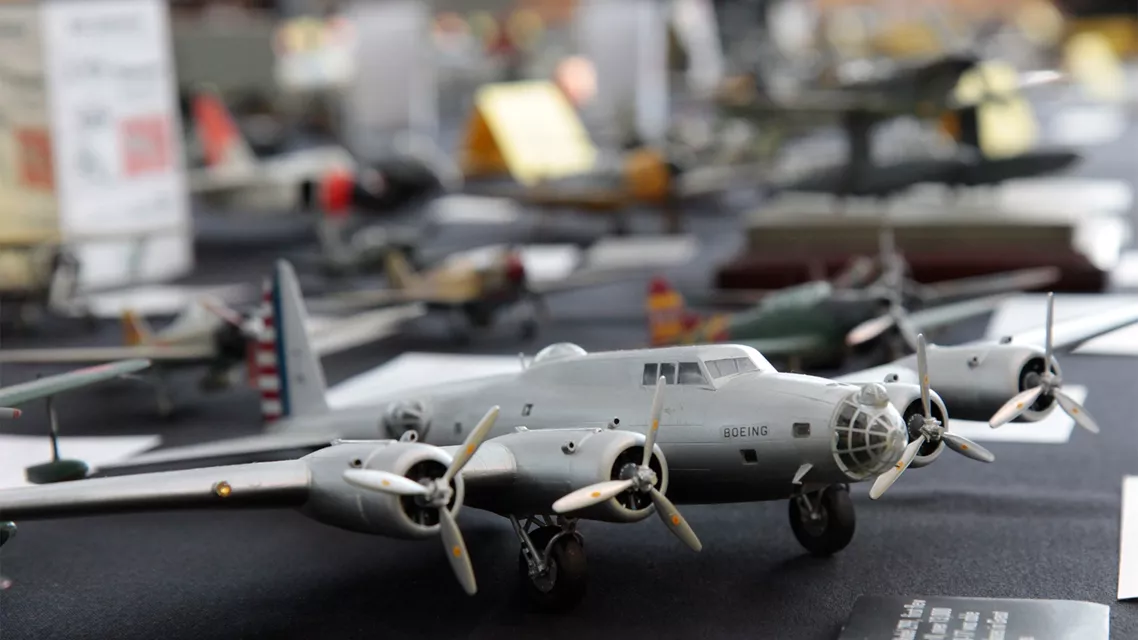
(816, 324)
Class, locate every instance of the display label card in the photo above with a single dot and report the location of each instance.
(948, 618)
(1128, 547)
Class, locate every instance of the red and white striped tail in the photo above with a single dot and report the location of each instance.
(264, 369)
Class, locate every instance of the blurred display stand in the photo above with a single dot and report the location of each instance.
(232, 51)
(391, 102)
(525, 130)
(90, 156)
(627, 44)
(1020, 225)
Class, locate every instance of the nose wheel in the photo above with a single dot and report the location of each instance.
(823, 521)
(551, 565)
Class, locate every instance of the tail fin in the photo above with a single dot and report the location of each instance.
(136, 330)
(400, 273)
(221, 141)
(288, 373)
(667, 319)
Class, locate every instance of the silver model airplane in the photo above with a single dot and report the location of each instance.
(594, 436)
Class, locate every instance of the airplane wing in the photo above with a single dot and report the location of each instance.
(353, 301)
(281, 483)
(83, 355)
(333, 335)
(219, 450)
(1021, 280)
(1065, 335)
(947, 314)
(51, 385)
(1072, 333)
(582, 279)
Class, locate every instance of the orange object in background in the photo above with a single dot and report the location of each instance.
(216, 130)
(36, 167)
(336, 193)
(646, 174)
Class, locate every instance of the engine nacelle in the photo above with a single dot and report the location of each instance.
(977, 380)
(551, 463)
(907, 398)
(335, 502)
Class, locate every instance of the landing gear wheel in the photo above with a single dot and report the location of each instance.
(829, 526)
(562, 585)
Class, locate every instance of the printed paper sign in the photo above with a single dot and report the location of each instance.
(945, 618)
(1128, 548)
(146, 144)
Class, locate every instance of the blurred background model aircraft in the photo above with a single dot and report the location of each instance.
(979, 106)
(316, 177)
(817, 323)
(474, 287)
(209, 334)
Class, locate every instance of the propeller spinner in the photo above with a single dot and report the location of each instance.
(643, 481)
(1050, 386)
(436, 493)
(931, 431)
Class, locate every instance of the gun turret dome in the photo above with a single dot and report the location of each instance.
(559, 351)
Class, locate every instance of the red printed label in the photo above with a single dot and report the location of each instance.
(35, 164)
(145, 144)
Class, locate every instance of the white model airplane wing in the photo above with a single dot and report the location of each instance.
(333, 335)
(1065, 335)
(281, 483)
(83, 355)
(51, 385)
(220, 450)
(948, 314)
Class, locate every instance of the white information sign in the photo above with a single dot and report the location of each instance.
(394, 90)
(95, 132)
(628, 45)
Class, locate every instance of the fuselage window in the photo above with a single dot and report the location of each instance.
(668, 370)
(690, 373)
(650, 374)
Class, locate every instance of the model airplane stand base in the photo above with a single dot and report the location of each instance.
(796, 235)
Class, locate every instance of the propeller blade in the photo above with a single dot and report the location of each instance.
(886, 480)
(908, 331)
(869, 330)
(923, 372)
(383, 481)
(456, 552)
(7, 413)
(676, 523)
(473, 441)
(1076, 411)
(1014, 407)
(590, 495)
(654, 421)
(1050, 319)
(966, 447)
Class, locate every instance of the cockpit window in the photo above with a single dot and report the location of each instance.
(668, 370)
(690, 373)
(650, 374)
(730, 366)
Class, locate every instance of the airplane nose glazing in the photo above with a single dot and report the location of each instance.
(867, 439)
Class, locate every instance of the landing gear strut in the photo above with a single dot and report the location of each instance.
(551, 564)
(823, 521)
